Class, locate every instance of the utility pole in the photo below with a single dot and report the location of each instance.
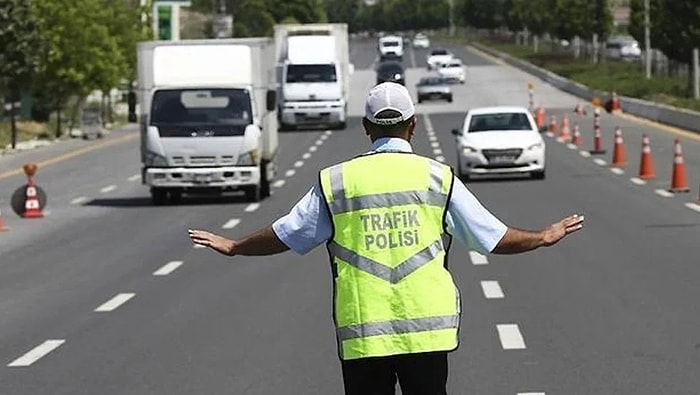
(452, 16)
(647, 40)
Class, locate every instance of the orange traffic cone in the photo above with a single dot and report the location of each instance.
(553, 125)
(646, 167)
(679, 182)
(619, 153)
(540, 118)
(615, 105)
(577, 141)
(597, 143)
(2, 223)
(565, 133)
(32, 208)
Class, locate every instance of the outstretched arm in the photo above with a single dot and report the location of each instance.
(517, 240)
(262, 242)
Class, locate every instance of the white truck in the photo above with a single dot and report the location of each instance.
(314, 73)
(208, 117)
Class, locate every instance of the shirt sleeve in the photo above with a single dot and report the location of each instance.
(470, 222)
(307, 225)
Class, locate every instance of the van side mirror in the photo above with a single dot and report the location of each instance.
(271, 100)
(456, 132)
(131, 101)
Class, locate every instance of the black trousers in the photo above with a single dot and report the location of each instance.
(417, 374)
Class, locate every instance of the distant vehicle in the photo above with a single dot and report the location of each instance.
(453, 71)
(433, 88)
(437, 57)
(421, 41)
(499, 140)
(623, 49)
(91, 123)
(390, 47)
(391, 71)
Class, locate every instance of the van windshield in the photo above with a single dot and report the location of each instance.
(193, 107)
(311, 73)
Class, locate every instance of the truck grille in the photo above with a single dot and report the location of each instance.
(202, 160)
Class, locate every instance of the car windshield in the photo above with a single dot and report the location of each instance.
(390, 68)
(311, 73)
(431, 81)
(499, 121)
(195, 107)
(390, 44)
(438, 52)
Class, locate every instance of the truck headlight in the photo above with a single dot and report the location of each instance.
(155, 160)
(250, 158)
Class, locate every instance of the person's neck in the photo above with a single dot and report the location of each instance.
(375, 138)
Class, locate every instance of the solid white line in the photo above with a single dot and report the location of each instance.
(585, 154)
(232, 223)
(278, 183)
(511, 338)
(306, 155)
(36, 353)
(617, 170)
(319, 142)
(599, 162)
(663, 193)
(299, 163)
(115, 302)
(252, 207)
(492, 290)
(134, 177)
(440, 158)
(79, 200)
(168, 268)
(108, 188)
(435, 144)
(313, 148)
(477, 258)
(693, 206)
(290, 173)
(638, 181)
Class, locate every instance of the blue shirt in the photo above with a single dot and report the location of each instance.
(309, 225)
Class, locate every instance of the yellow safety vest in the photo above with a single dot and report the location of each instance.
(393, 293)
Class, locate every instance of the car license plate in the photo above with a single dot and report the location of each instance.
(502, 159)
(202, 178)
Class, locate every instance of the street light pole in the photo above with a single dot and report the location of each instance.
(647, 40)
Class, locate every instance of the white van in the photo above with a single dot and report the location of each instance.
(390, 47)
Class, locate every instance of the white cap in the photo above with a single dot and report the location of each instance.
(389, 96)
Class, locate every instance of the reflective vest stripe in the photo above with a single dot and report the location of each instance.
(393, 276)
(394, 199)
(337, 188)
(398, 327)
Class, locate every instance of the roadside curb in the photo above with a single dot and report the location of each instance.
(687, 120)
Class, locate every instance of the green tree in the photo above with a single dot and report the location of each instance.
(18, 61)
(483, 14)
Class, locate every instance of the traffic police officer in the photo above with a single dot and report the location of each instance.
(387, 217)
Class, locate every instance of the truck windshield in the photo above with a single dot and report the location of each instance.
(201, 107)
(311, 73)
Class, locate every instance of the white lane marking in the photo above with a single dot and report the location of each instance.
(585, 154)
(477, 258)
(232, 223)
(168, 268)
(115, 302)
(693, 206)
(319, 142)
(306, 155)
(599, 162)
(664, 193)
(279, 183)
(134, 177)
(617, 170)
(511, 338)
(252, 207)
(36, 353)
(299, 163)
(79, 200)
(328, 132)
(199, 246)
(290, 173)
(638, 181)
(108, 188)
(435, 144)
(549, 134)
(432, 137)
(531, 393)
(313, 148)
(492, 290)
(437, 151)
(572, 146)
(324, 137)
(428, 124)
(440, 158)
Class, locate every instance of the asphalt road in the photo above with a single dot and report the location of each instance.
(611, 310)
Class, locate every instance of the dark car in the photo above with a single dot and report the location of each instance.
(391, 72)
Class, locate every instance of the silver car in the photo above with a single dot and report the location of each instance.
(433, 88)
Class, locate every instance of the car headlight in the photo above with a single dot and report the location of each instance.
(468, 150)
(155, 160)
(250, 158)
(535, 147)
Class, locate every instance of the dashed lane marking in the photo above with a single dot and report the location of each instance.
(432, 137)
(299, 163)
(306, 155)
(279, 183)
(115, 302)
(313, 148)
(440, 158)
(510, 336)
(693, 206)
(492, 290)
(135, 177)
(79, 200)
(638, 181)
(252, 207)
(437, 151)
(168, 268)
(478, 258)
(585, 154)
(290, 173)
(617, 170)
(319, 142)
(36, 353)
(108, 188)
(232, 223)
(531, 393)
(572, 146)
(664, 193)
(435, 144)
(328, 132)
(600, 162)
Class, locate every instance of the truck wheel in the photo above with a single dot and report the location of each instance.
(252, 193)
(159, 196)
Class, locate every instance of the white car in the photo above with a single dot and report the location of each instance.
(390, 47)
(437, 57)
(499, 140)
(453, 71)
(421, 41)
